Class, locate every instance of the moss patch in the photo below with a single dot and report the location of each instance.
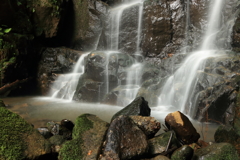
(13, 128)
(72, 149)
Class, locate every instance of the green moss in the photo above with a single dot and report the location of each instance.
(219, 151)
(72, 150)
(82, 124)
(13, 127)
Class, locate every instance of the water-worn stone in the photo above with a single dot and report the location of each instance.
(137, 107)
(158, 144)
(124, 140)
(19, 140)
(183, 153)
(45, 132)
(88, 135)
(219, 151)
(149, 125)
(182, 126)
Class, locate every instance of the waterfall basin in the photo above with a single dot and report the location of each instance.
(40, 110)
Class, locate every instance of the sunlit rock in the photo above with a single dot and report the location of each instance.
(182, 126)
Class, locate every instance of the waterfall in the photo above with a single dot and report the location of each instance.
(129, 90)
(65, 85)
(179, 87)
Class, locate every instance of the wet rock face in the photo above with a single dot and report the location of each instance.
(217, 89)
(128, 30)
(182, 126)
(88, 23)
(163, 27)
(55, 61)
(103, 72)
(124, 141)
(156, 28)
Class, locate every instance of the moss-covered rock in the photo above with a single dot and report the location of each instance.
(183, 153)
(158, 144)
(88, 135)
(228, 134)
(219, 151)
(18, 139)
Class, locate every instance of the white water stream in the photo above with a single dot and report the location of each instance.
(179, 87)
(65, 85)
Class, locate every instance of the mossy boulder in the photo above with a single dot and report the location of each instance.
(219, 151)
(18, 139)
(158, 144)
(183, 153)
(88, 135)
(228, 134)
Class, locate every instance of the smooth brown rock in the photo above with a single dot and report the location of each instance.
(182, 126)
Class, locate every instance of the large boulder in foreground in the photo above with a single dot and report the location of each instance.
(219, 151)
(88, 134)
(138, 107)
(19, 140)
(124, 140)
(182, 126)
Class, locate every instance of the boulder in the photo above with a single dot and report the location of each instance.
(159, 144)
(124, 140)
(182, 126)
(149, 125)
(19, 140)
(138, 107)
(228, 134)
(88, 134)
(183, 153)
(220, 151)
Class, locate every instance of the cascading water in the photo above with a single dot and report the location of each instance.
(133, 80)
(179, 87)
(65, 85)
